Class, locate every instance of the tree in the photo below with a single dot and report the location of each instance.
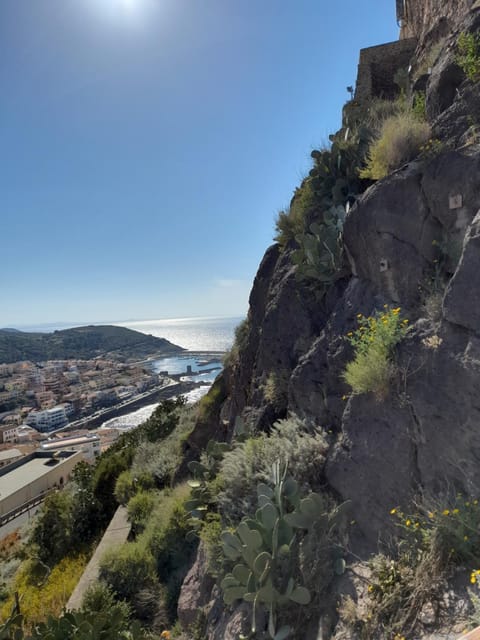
(86, 509)
(52, 532)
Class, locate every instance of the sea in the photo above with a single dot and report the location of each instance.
(195, 334)
(211, 335)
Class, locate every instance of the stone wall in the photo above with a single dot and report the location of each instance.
(377, 68)
(420, 17)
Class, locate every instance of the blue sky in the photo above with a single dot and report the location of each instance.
(147, 145)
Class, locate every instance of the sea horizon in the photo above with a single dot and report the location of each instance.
(41, 327)
(193, 333)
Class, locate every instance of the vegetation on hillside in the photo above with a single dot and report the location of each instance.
(72, 520)
(81, 342)
(374, 341)
(376, 138)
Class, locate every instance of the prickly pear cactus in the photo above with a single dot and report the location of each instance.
(261, 548)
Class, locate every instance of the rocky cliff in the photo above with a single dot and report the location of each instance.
(412, 241)
(418, 18)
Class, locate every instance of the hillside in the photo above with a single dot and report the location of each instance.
(82, 343)
(363, 335)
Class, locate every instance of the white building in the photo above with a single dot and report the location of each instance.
(48, 420)
(28, 480)
(89, 445)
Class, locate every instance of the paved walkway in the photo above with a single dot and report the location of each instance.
(116, 534)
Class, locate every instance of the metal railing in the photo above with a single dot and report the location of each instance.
(29, 504)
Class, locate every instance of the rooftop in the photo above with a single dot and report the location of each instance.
(7, 454)
(27, 470)
(61, 443)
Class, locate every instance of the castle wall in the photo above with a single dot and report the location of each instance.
(377, 68)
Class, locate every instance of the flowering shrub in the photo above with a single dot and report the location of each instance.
(453, 530)
(374, 342)
(434, 540)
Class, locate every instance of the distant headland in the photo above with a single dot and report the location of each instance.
(83, 343)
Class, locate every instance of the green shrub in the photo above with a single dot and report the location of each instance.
(374, 341)
(159, 461)
(173, 554)
(108, 469)
(242, 332)
(128, 569)
(468, 55)
(285, 228)
(420, 105)
(209, 405)
(100, 598)
(292, 222)
(210, 536)
(139, 509)
(250, 462)
(124, 487)
(451, 526)
(52, 531)
(400, 140)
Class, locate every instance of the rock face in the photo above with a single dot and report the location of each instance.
(422, 220)
(462, 300)
(420, 17)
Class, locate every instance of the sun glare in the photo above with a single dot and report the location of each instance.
(129, 12)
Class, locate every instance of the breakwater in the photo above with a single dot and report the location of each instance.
(149, 397)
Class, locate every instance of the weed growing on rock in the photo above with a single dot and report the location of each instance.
(400, 141)
(468, 55)
(453, 529)
(374, 342)
(433, 541)
(419, 105)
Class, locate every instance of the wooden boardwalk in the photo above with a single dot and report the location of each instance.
(115, 535)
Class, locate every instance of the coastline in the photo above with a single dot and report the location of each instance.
(176, 387)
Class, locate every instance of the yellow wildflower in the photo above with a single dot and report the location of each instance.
(475, 502)
(446, 512)
(465, 538)
(393, 511)
(431, 515)
(455, 511)
(408, 522)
